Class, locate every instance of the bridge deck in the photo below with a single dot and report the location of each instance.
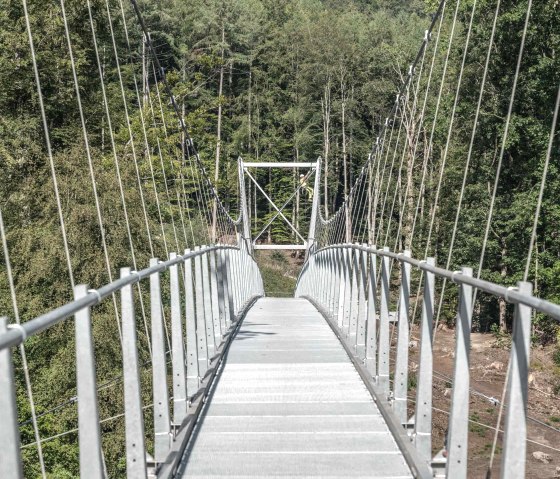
(290, 403)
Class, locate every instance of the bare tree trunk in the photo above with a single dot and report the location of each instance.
(502, 301)
(326, 110)
(219, 132)
(345, 168)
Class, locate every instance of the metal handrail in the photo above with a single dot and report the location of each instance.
(17, 335)
(342, 281)
(510, 294)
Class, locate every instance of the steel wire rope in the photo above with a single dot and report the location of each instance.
(88, 153)
(490, 212)
(114, 147)
(388, 185)
(542, 186)
(470, 150)
(160, 155)
(189, 142)
(26, 375)
(446, 148)
(503, 146)
(129, 128)
(181, 176)
(136, 168)
(426, 156)
(427, 153)
(411, 145)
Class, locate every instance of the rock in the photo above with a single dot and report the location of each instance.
(557, 474)
(497, 365)
(543, 457)
(447, 392)
(531, 379)
(413, 344)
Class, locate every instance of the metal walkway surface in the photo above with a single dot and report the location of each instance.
(289, 403)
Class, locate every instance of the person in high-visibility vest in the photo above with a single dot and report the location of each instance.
(305, 186)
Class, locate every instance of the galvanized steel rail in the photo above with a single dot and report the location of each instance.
(219, 285)
(343, 282)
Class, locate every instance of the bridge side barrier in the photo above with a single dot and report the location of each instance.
(338, 278)
(206, 303)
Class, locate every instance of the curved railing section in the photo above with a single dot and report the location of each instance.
(206, 291)
(364, 293)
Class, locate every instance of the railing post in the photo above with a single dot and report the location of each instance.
(347, 290)
(89, 433)
(362, 278)
(190, 319)
(371, 330)
(133, 412)
(384, 339)
(341, 288)
(354, 298)
(515, 429)
(177, 348)
(459, 417)
(10, 452)
(206, 297)
(162, 430)
(215, 300)
(221, 291)
(200, 317)
(332, 282)
(423, 412)
(230, 286)
(400, 383)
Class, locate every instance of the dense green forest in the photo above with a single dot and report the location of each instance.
(268, 80)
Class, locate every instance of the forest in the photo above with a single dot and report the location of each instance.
(265, 80)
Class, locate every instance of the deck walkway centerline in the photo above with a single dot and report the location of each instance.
(293, 410)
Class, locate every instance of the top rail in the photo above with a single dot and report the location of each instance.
(18, 333)
(510, 294)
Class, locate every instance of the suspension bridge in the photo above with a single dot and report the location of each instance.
(218, 379)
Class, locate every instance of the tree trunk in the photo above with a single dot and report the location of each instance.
(219, 132)
(326, 110)
(502, 301)
(348, 225)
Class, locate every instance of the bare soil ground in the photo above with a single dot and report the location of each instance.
(488, 371)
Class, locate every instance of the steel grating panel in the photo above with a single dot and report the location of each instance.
(289, 403)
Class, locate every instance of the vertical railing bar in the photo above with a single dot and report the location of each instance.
(162, 429)
(214, 299)
(10, 443)
(200, 317)
(177, 348)
(423, 411)
(133, 413)
(400, 384)
(459, 416)
(354, 299)
(206, 297)
(193, 374)
(384, 339)
(362, 279)
(515, 428)
(89, 433)
(230, 286)
(371, 330)
(221, 291)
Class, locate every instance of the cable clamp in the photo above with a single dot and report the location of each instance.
(453, 275)
(427, 36)
(20, 328)
(96, 293)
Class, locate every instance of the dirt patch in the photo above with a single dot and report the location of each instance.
(488, 369)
